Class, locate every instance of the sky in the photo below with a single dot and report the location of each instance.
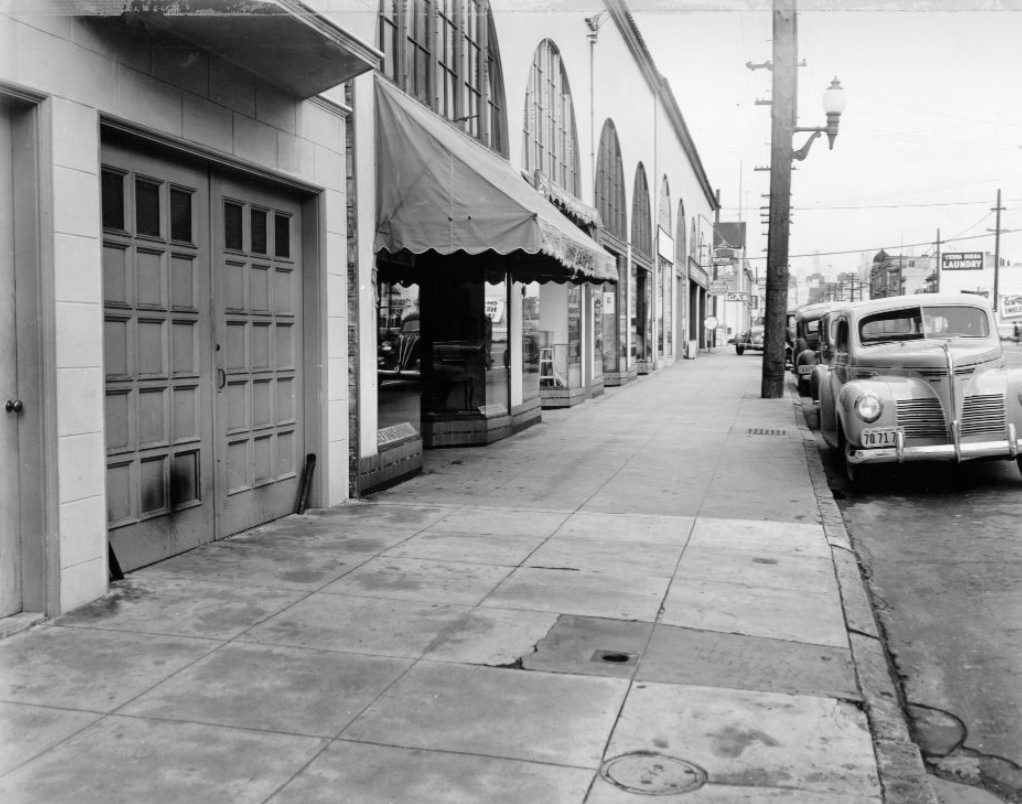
(932, 127)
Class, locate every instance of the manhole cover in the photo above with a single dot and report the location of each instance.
(653, 774)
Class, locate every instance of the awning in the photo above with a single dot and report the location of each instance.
(438, 189)
(281, 41)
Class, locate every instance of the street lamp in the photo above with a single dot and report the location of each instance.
(833, 104)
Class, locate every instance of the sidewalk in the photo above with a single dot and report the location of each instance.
(651, 593)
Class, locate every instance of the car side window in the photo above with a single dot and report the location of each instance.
(841, 336)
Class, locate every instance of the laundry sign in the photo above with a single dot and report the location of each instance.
(962, 261)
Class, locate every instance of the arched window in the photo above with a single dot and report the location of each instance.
(550, 144)
(642, 224)
(664, 211)
(445, 53)
(679, 245)
(610, 184)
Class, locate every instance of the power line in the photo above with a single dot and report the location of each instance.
(899, 247)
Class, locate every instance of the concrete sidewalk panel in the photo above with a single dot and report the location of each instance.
(145, 603)
(758, 535)
(266, 688)
(608, 554)
(402, 628)
(577, 645)
(604, 792)
(762, 739)
(492, 637)
(499, 550)
(499, 522)
(322, 534)
(241, 564)
(27, 730)
(622, 597)
(90, 669)
(126, 760)
(788, 614)
(514, 714)
(629, 527)
(712, 659)
(458, 582)
(377, 774)
(767, 569)
(397, 514)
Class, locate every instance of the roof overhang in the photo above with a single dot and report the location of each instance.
(281, 41)
(439, 190)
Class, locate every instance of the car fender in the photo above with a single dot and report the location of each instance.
(818, 378)
(888, 390)
(824, 378)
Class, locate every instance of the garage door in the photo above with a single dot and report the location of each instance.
(202, 303)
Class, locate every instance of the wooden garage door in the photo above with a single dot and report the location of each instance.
(202, 280)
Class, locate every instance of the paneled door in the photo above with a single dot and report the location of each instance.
(258, 352)
(10, 519)
(157, 356)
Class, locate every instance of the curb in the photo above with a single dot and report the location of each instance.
(900, 767)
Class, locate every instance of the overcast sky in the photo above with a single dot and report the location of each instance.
(932, 129)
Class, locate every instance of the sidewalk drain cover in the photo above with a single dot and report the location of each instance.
(765, 431)
(613, 657)
(653, 774)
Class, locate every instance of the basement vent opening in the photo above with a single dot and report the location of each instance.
(652, 774)
(613, 657)
(765, 431)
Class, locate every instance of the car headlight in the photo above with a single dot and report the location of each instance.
(868, 407)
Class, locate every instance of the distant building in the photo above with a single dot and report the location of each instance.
(898, 275)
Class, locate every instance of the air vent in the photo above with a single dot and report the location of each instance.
(765, 431)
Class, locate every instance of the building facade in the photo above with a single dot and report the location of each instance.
(173, 290)
(571, 245)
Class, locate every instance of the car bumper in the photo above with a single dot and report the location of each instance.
(1008, 448)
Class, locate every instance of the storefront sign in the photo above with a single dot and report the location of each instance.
(608, 303)
(1010, 307)
(718, 287)
(736, 296)
(664, 245)
(495, 310)
(962, 261)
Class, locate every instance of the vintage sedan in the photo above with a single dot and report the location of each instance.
(918, 378)
(750, 341)
(807, 343)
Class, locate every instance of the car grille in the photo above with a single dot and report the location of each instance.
(921, 418)
(924, 418)
(983, 414)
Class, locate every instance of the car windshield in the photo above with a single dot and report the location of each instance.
(911, 323)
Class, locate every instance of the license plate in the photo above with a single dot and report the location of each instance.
(880, 437)
(805, 369)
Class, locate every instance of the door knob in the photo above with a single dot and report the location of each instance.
(13, 406)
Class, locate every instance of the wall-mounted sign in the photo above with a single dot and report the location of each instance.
(664, 245)
(962, 261)
(608, 302)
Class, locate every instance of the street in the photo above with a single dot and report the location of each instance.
(940, 546)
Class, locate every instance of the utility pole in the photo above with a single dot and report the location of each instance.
(783, 114)
(997, 248)
(937, 266)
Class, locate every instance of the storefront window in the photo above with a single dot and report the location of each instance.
(497, 345)
(533, 341)
(633, 309)
(667, 277)
(398, 355)
(660, 296)
(574, 336)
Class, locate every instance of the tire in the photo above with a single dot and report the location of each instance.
(803, 385)
(1018, 461)
(859, 476)
(740, 350)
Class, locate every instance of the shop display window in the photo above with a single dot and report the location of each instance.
(398, 355)
(533, 341)
(574, 336)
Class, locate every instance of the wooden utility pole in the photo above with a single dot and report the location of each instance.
(783, 115)
(997, 248)
(937, 266)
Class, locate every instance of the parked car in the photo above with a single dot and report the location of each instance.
(918, 378)
(807, 343)
(398, 352)
(751, 340)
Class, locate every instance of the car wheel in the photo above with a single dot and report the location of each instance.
(858, 475)
(1019, 462)
(740, 350)
(803, 385)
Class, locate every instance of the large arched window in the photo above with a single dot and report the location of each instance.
(642, 224)
(679, 244)
(664, 211)
(445, 53)
(550, 143)
(610, 184)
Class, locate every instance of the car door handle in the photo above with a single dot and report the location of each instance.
(14, 406)
(221, 379)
